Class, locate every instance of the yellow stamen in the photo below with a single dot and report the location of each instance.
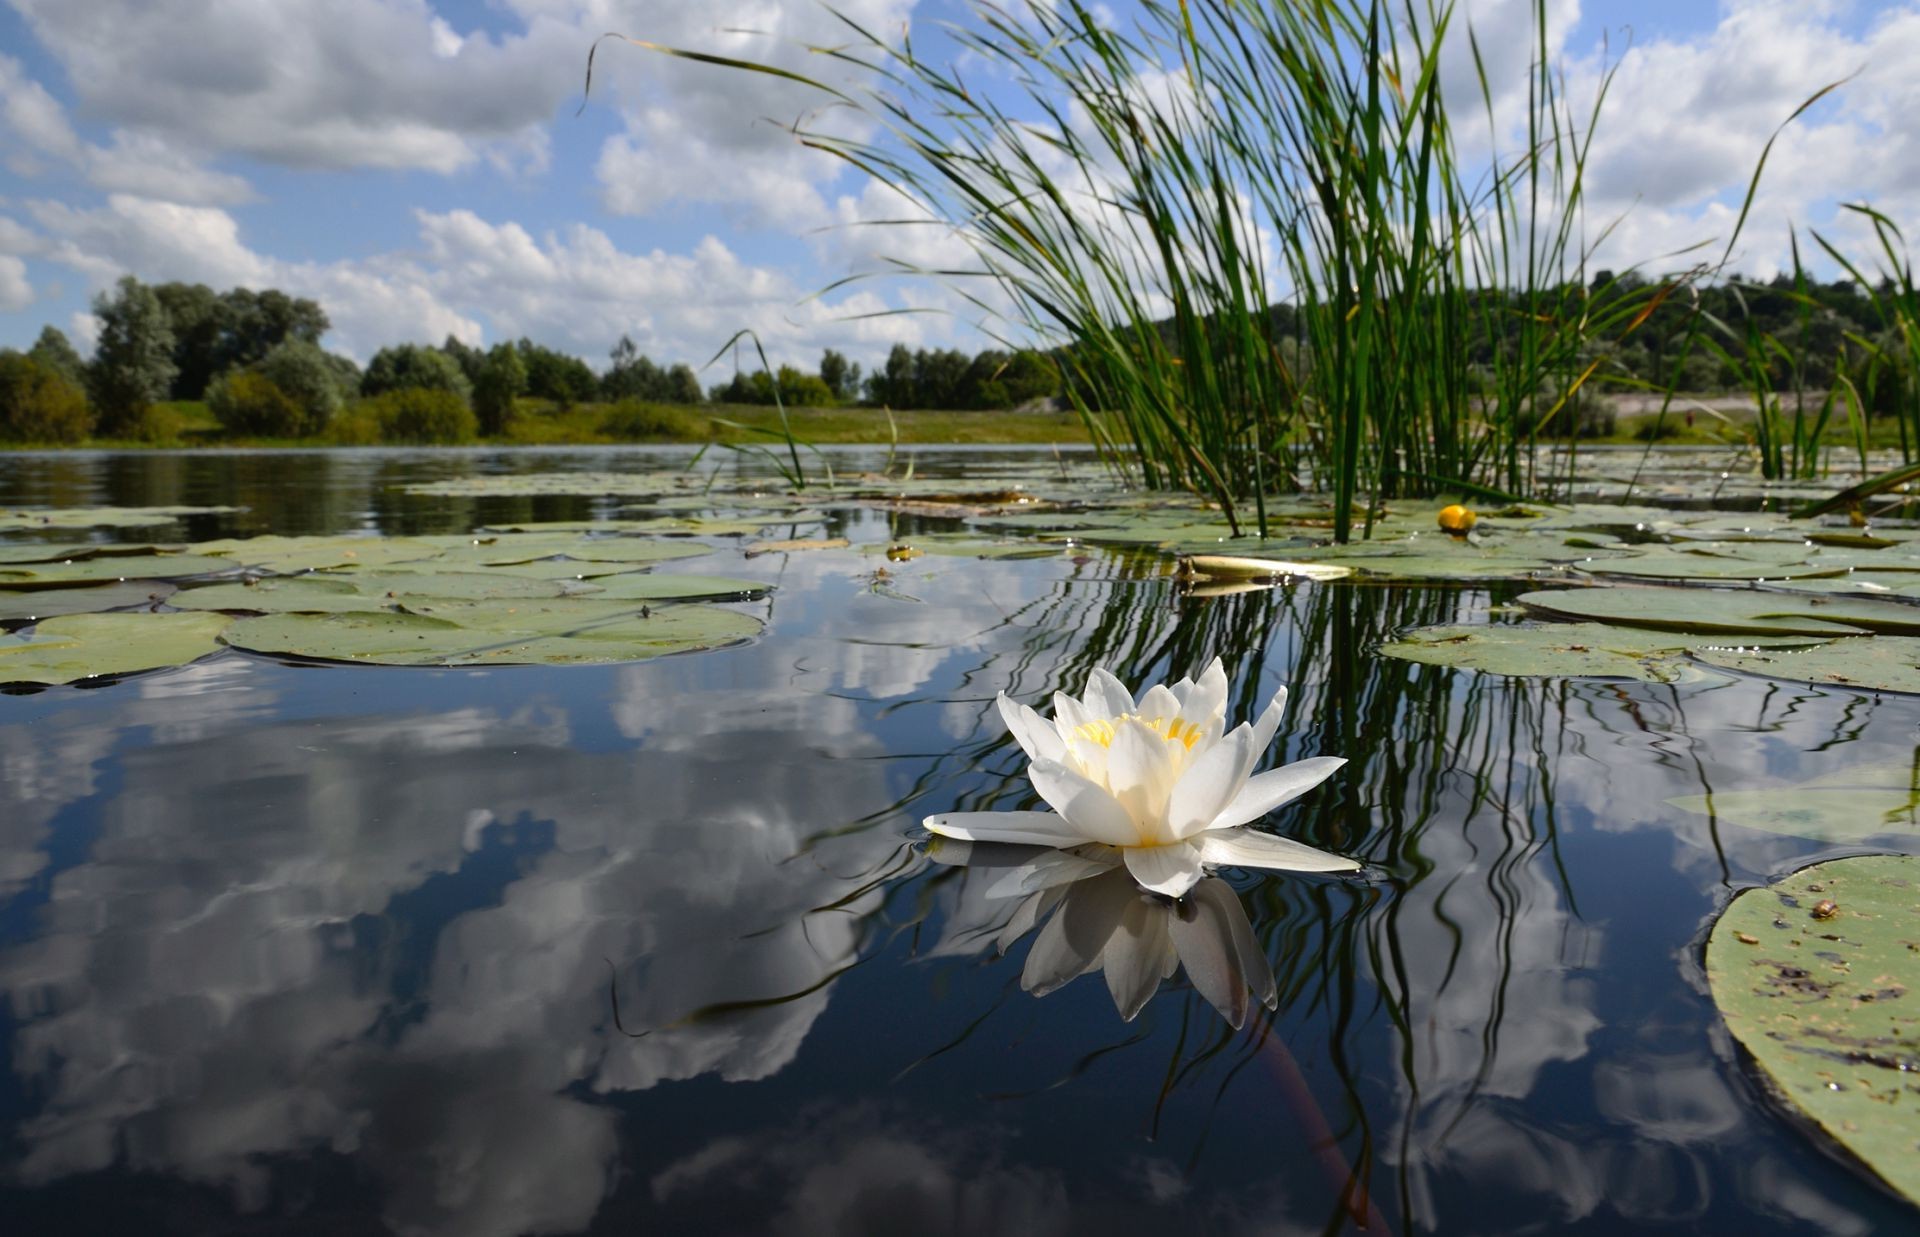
(1172, 729)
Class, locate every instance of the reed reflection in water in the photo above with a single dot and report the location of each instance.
(338, 940)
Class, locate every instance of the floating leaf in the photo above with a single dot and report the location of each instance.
(647, 586)
(454, 633)
(1227, 567)
(83, 646)
(1561, 650)
(800, 543)
(51, 602)
(1733, 612)
(1882, 664)
(286, 555)
(102, 517)
(113, 567)
(1816, 978)
(1848, 805)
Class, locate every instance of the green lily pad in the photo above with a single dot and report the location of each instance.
(1726, 611)
(43, 603)
(519, 550)
(84, 646)
(102, 517)
(286, 555)
(647, 586)
(587, 484)
(1847, 805)
(1560, 650)
(1881, 664)
(1827, 1006)
(112, 567)
(468, 633)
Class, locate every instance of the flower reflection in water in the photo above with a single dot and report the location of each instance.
(1098, 919)
(1158, 783)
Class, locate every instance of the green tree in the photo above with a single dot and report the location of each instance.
(255, 323)
(414, 367)
(38, 403)
(503, 377)
(893, 385)
(633, 374)
(305, 374)
(197, 318)
(55, 352)
(422, 414)
(566, 380)
(683, 385)
(465, 355)
(841, 375)
(246, 401)
(133, 359)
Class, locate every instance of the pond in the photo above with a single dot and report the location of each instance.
(293, 945)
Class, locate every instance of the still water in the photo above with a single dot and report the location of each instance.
(298, 948)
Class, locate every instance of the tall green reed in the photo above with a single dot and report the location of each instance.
(1263, 254)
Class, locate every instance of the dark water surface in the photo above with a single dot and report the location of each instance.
(305, 949)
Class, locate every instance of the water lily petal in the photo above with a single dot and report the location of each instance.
(1072, 941)
(1247, 848)
(1136, 956)
(1210, 783)
(1202, 933)
(1268, 723)
(1205, 704)
(1171, 870)
(1094, 814)
(1107, 696)
(1275, 787)
(1140, 775)
(1035, 737)
(1033, 828)
(1055, 867)
(1158, 703)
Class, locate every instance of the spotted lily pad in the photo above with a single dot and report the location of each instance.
(468, 633)
(112, 567)
(1566, 650)
(1817, 977)
(84, 646)
(43, 603)
(1727, 611)
(1882, 664)
(1847, 805)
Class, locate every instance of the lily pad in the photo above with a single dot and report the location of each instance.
(84, 646)
(647, 586)
(102, 517)
(1847, 805)
(456, 633)
(52, 602)
(1882, 664)
(1727, 611)
(1816, 978)
(113, 567)
(286, 555)
(1562, 650)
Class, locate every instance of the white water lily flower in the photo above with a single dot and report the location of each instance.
(1160, 779)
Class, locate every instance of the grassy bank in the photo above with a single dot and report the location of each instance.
(540, 423)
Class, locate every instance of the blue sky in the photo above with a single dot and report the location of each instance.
(418, 167)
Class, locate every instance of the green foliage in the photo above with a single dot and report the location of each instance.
(308, 376)
(423, 415)
(947, 378)
(55, 352)
(247, 402)
(408, 367)
(133, 360)
(633, 420)
(501, 379)
(556, 376)
(465, 355)
(38, 404)
(841, 375)
(214, 332)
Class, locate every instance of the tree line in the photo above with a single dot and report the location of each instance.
(256, 360)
